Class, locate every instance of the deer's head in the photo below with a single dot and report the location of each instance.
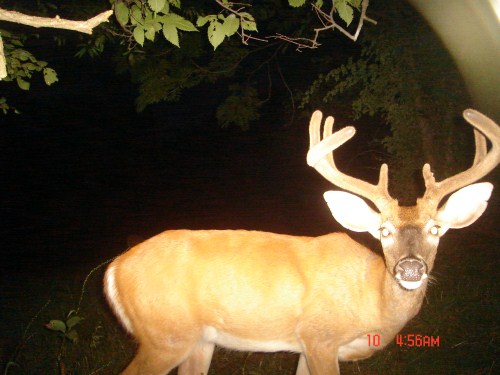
(409, 235)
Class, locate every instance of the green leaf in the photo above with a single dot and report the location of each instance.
(247, 16)
(139, 35)
(201, 21)
(185, 25)
(23, 55)
(231, 25)
(121, 13)
(248, 22)
(296, 3)
(345, 11)
(156, 5)
(179, 22)
(175, 3)
(5, 33)
(73, 321)
(81, 52)
(166, 8)
(23, 85)
(16, 43)
(216, 34)
(50, 76)
(150, 33)
(355, 3)
(249, 25)
(56, 325)
(170, 33)
(148, 17)
(73, 336)
(136, 17)
(30, 66)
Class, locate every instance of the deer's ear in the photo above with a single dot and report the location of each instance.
(353, 213)
(465, 206)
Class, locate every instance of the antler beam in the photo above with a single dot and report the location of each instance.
(320, 157)
(483, 163)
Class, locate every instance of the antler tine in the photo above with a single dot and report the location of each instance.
(483, 163)
(320, 157)
(480, 144)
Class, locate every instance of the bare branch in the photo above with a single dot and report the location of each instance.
(3, 63)
(228, 6)
(328, 23)
(56, 22)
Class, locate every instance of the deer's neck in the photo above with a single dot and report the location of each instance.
(401, 305)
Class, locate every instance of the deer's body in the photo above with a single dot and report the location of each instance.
(182, 292)
(296, 278)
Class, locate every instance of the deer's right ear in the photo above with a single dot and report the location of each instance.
(352, 212)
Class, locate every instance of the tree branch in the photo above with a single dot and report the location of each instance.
(3, 63)
(56, 22)
(328, 23)
(244, 36)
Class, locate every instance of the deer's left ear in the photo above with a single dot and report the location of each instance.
(464, 206)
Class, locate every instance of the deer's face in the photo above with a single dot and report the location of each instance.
(409, 239)
(410, 235)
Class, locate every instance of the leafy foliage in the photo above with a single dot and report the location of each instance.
(404, 76)
(240, 108)
(93, 47)
(5, 107)
(22, 64)
(220, 26)
(346, 9)
(66, 328)
(145, 19)
(216, 37)
(163, 73)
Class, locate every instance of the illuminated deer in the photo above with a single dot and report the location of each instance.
(182, 292)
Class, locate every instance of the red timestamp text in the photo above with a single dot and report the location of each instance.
(373, 340)
(418, 341)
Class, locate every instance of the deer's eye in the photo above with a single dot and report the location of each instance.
(385, 232)
(434, 230)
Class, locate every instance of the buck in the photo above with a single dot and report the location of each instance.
(182, 292)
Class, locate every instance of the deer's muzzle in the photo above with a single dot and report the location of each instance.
(410, 272)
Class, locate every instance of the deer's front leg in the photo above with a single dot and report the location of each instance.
(318, 359)
(302, 368)
(198, 361)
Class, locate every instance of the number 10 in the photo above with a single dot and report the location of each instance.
(373, 340)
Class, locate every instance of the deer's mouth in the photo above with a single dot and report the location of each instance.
(410, 273)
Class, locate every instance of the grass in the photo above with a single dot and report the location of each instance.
(461, 309)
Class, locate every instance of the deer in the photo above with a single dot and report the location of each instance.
(182, 292)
